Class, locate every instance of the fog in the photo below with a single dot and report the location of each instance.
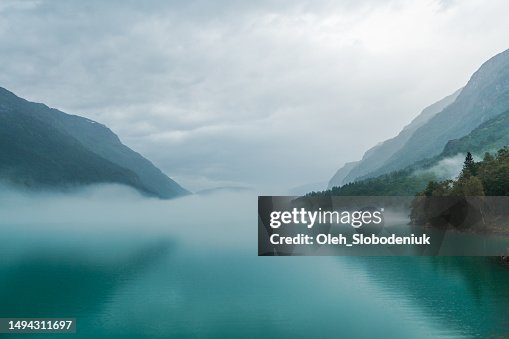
(448, 168)
(106, 213)
(71, 254)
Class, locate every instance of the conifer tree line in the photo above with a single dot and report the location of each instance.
(489, 177)
(449, 202)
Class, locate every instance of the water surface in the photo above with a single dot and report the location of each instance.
(134, 267)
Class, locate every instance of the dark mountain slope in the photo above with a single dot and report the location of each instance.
(376, 157)
(490, 136)
(41, 147)
(485, 96)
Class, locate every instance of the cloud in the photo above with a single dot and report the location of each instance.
(271, 94)
(448, 168)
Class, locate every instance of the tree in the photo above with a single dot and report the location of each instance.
(469, 166)
(487, 158)
(472, 187)
(494, 173)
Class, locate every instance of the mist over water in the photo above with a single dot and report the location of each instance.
(128, 266)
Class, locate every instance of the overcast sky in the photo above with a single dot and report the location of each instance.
(267, 94)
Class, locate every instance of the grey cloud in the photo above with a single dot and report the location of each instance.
(270, 94)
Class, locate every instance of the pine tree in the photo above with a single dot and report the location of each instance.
(469, 166)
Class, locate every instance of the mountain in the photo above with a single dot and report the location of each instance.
(44, 148)
(485, 96)
(376, 157)
(490, 136)
(339, 177)
(474, 120)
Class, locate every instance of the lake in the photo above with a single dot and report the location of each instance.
(128, 267)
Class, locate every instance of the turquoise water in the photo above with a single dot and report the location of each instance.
(188, 268)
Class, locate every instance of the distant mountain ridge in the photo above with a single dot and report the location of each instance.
(376, 156)
(490, 137)
(44, 148)
(485, 96)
